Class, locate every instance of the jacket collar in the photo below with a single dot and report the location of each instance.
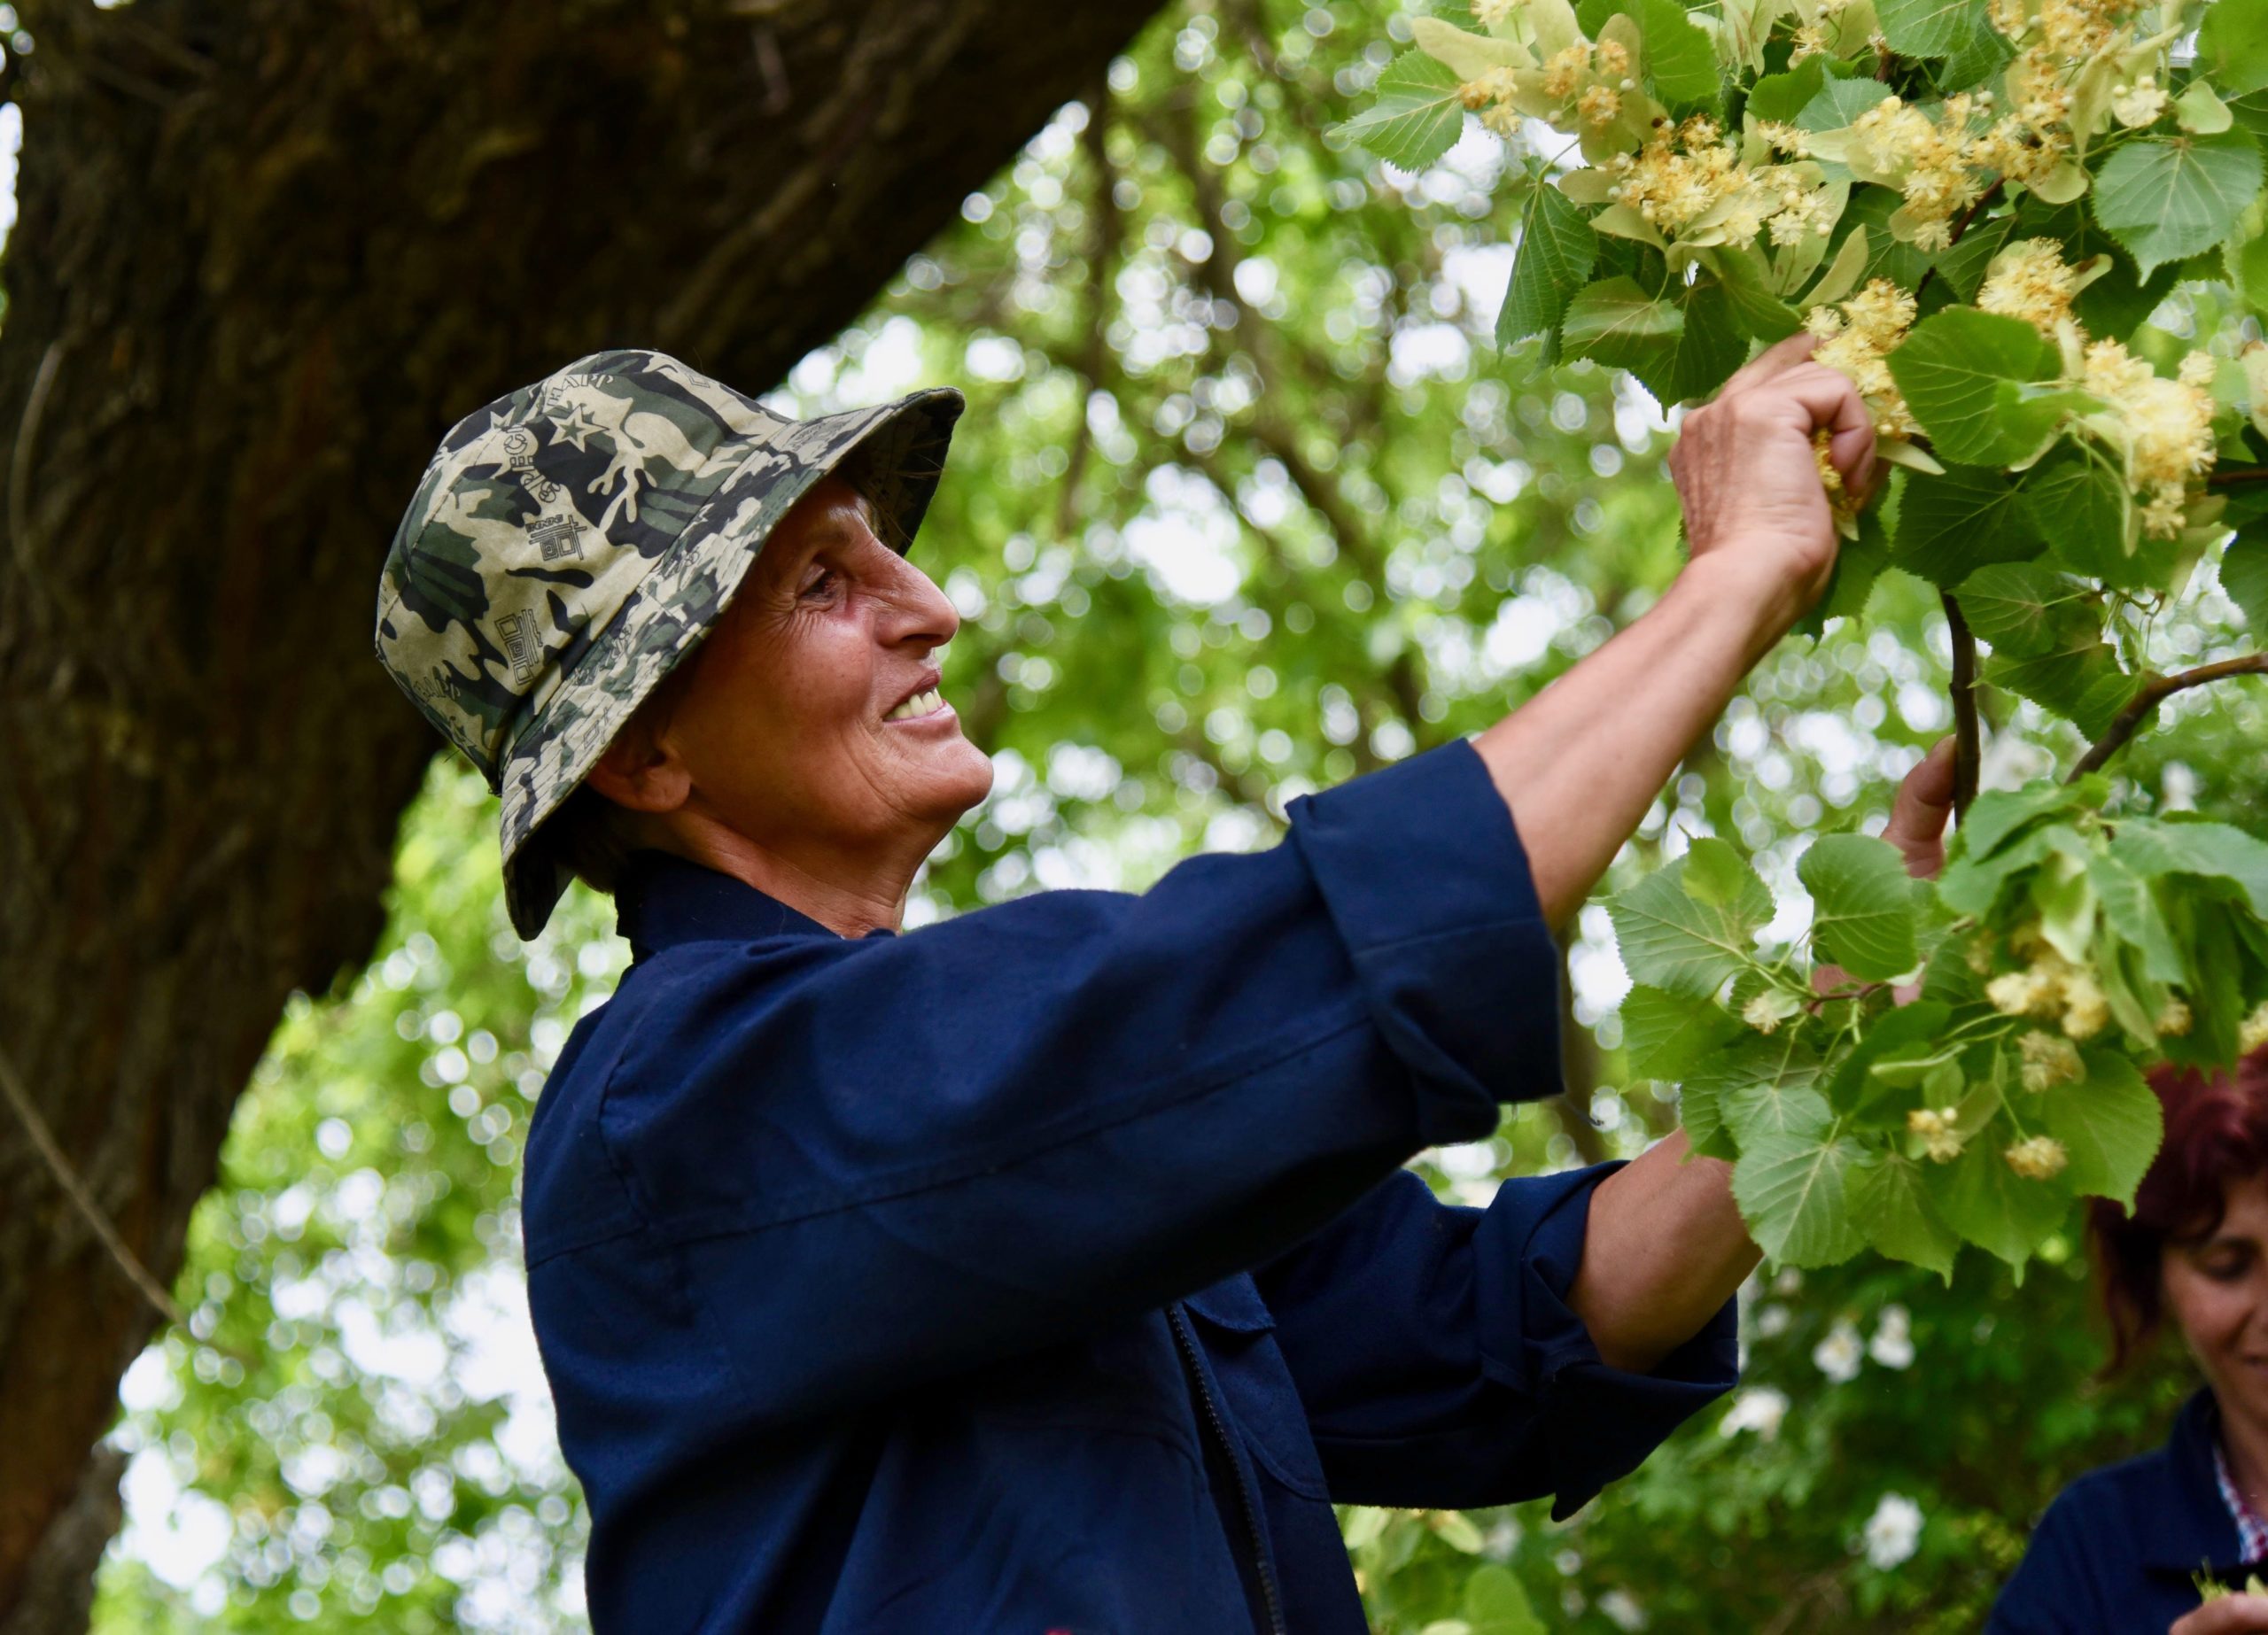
(2183, 1524)
(661, 900)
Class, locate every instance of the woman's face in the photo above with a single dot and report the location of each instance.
(813, 723)
(2217, 1290)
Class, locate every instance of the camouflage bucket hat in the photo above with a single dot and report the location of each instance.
(571, 541)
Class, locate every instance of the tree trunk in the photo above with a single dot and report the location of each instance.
(266, 253)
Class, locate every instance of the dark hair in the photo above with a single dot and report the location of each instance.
(2216, 1132)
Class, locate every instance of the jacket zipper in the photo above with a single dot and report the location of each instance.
(1187, 1343)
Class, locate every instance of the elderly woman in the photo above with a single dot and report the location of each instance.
(1052, 1268)
(2121, 1547)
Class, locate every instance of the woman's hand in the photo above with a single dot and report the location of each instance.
(1918, 817)
(2231, 1614)
(1748, 475)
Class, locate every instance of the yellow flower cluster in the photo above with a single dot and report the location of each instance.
(1929, 160)
(2049, 985)
(2031, 280)
(2049, 1061)
(1857, 337)
(1689, 176)
(2166, 427)
(2037, 1158)
(1935, 1126)
(1491, 98)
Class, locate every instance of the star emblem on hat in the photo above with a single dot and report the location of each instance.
(574, 426)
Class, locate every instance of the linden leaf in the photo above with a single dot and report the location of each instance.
(1557, 251)
(2110, 1125)
(1793, 1192)
(1670, 941)
(1418, 115)
(1863, 905)
(1955, 370)
(1890, 1201)
(2166, 198)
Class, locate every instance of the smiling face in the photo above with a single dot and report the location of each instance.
(812, 727)
(2217, 1292)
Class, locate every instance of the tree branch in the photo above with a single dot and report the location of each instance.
(1968, 741)
(2156, 690)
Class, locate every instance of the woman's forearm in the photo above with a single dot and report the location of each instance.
(1666, 1247)
(1580, 763)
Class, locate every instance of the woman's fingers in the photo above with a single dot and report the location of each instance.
(2231, 1614)
(1918, 817)
(1775, 360)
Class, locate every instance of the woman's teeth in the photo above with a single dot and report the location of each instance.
(920, 704)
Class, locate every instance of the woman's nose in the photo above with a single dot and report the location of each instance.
(920, 612)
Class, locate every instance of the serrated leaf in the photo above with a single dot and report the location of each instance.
(1979, 1196)
(1766, 1087)
(2027, 608)
(2244, 576)
(1557, 251)
(2000, 815)
(2151, 846)
(1669, 940)
(1890, 1201)
(1887, 255)
(2078, 501)
(1760, 315)
(2131, 908)
(1956, 371)
(2233, 46)
(1976, 59)
(1863, 905)
(1678, 348)
(1665, 1035)
(2165, 197)
(1717, 874)
(1495, 1603)
(2079, 679)
(1793, 1192)
(1702, 1119)
(1973, 885)
(1680, 59)
(1839, 102)
(2110, 1125)
(1417, 115)
(1951, 525)
(1927, 27)
(1781, 97)
(1962, 267)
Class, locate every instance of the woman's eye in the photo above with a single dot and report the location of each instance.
(821, 585)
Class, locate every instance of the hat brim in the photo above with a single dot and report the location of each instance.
(896, 452)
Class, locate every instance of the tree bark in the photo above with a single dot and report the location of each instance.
(266, 254)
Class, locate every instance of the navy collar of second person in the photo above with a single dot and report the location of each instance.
(661, 900)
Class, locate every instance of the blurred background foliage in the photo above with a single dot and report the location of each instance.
(1247, 503)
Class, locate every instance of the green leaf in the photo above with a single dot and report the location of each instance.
(2244, 576)
(1927, 27)
(1680, 348)
(2110, 1124)
(1781, 97)
(1760, 315)
(1888, 256)
(1680, 59)
(1417, 116)
(1979, 1196)
(1792, 1191)
(1973, 885)
(2165, 197)
(1670, 941)
(2076, 499)
(1858, 568)
(2151, 846)
(1897, 1040)
(1766, 1087)
(1703, 1119)
(1998, 815)
(1665, 1035)
(1890, 1201)
(1951, 525)
(1963, 268)
(2131, 908)
(1976, 59)
(1495, 1603)
(1958, 371)
(1839, 102)
(2232, 47)
(2027, 608)
(1863, 903)
(1557, 251)
(2079, 679)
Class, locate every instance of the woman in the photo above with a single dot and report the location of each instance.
(2121, 1547)
(1052, 1268)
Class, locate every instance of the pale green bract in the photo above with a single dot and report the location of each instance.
(2034, 235)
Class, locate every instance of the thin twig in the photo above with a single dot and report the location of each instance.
(2156, 690)
(19, 1101)
(2237, 477)
(1968, 744)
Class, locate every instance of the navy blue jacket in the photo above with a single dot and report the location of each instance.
(2119, 1548)
(1052, 1268)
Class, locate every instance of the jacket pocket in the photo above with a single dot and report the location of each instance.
(1259, 1396)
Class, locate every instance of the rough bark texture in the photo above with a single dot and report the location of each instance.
(266, 253)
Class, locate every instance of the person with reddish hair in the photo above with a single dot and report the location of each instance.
(2120, 1548)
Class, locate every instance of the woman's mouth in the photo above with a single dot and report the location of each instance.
(928, 702)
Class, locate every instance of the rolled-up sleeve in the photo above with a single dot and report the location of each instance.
(1442, 1367)
(890, 1157)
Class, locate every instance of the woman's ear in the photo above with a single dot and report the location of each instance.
(641, 770)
